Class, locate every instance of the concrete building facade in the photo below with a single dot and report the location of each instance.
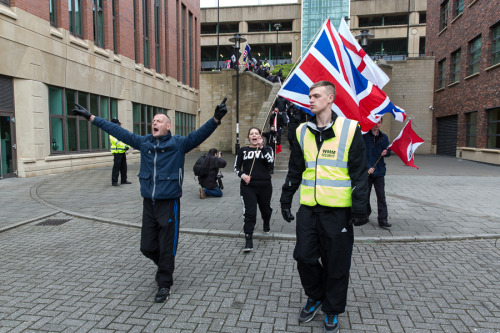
(466, 108)
(127, 59)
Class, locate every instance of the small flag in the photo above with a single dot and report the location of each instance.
(246, 52)
(405, 145)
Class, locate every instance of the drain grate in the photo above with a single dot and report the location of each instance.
(53, 222)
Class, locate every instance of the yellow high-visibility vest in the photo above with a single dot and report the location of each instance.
(117, 147)
(326, 181)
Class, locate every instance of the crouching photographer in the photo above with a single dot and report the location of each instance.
(208, 176)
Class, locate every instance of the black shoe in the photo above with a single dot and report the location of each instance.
(126, 182)
(309, 311)
(115, 184)
(267, 228)
(162, 295)
(248, 243)
(384, 224)
(331, 323)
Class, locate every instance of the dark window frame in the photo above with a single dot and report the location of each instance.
(145, 32)
(183, 43)
(444, 14)
(5, 2)
(115, 28)
(52, 13)
(73, 16)
(495, 44)
(190, 46)
(493, 136)
(475, 56)
(157, 19)
(142, 117)
(455, 66)
(441, 73)
(459, 7)
(98, 22)
(185, 123)
(84, 99)
(471, 129)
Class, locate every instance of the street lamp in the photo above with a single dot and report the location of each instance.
(364, 36)
(237, 40)
(277, 26)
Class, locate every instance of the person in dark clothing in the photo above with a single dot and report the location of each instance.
(271, 138)
(161, 175)
(281, 103)
(119, 151)
(376, 144)
(208, 178)
(328, 163)
(297, 117)
(252, 165)
(281, 121)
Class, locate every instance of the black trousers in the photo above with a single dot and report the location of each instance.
(253, 196)
(379, 184)
(119, 166)
(160, 236)
(328, 236)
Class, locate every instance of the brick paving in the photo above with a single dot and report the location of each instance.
(436, 270)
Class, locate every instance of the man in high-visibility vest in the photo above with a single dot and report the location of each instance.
(119, 151)
(328, 163)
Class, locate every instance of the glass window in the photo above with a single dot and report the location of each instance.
(75, 17)
(495, 45)
(455, 66)
(183, 43)
(52, 13)
(190, 46)
(5, 2)
(494, 128)
(475, 55)
(113, 8)
(184, 123)
(441, 71)
(135, 33)
(444, 14)
(459, 7)
(422, 17)
(157, 36)
(145, 32)
(143, 117)
(70, 133)
(471, 127)
(98, 17)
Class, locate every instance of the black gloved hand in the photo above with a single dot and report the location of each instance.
(358, 220)
(127, 148)
(81, 111)
(220, 110)
(287, 214)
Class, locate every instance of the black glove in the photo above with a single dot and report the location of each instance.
(287, 214)
(127, 148)
(81, 111)
(220, 110)
(358, 219)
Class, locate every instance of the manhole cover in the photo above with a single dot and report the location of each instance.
(53, 222)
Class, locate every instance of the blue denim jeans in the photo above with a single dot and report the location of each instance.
(216, 192)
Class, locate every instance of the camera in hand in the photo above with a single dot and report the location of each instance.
(219, 181)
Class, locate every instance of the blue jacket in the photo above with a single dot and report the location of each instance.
(373, 152)
(162, 159)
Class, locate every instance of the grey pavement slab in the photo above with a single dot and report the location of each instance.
(446, 197)
(87, 276)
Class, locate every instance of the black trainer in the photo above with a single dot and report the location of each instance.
(162, 295)
(309, 310)
(248, 243)
(267, 228)
(384, 224)
(331, 323)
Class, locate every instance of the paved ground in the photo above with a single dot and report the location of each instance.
(436, 270)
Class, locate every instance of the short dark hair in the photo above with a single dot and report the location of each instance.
(329, 86)
(212, 152)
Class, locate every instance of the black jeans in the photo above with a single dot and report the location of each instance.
(326, 235)
(379, 185)
(160, 236)
(119, 166)
(252, 196)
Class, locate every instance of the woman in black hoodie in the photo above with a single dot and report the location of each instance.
(253, 164)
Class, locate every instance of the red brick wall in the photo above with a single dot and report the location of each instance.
(171, 55)
(477, 93)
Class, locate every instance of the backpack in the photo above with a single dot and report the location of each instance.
(198, 168)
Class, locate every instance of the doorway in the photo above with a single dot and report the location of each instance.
(7, 146)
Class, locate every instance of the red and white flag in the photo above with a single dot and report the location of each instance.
(361, 60)
(405, 145)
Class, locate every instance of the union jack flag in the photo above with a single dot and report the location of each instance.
(357, 98)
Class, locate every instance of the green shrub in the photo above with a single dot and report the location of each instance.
(285, 70)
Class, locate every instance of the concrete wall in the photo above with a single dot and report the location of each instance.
(253, 92)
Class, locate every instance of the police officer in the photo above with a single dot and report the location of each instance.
(118, 149)
(328, 162)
